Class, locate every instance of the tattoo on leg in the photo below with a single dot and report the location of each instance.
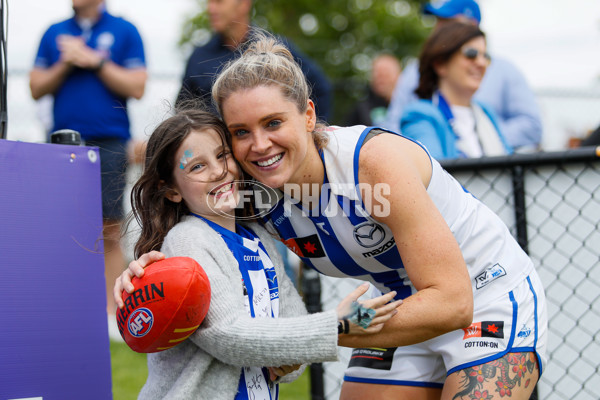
(512, 364)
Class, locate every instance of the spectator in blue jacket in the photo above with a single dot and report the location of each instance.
(230, 22)
(504, 87)
(447, 121)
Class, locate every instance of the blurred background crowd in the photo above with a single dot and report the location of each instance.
(553, 43)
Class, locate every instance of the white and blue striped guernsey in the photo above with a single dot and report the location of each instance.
(261, 292)
(341, 239)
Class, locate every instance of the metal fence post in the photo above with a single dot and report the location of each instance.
(311, 288)
(518, 181)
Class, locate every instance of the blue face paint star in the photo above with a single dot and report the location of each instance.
(184, 160)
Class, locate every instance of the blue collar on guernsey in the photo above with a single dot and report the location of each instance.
(234, 236)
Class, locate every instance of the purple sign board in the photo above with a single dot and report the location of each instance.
(53, 328)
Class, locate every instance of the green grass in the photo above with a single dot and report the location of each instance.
(297, 390)
(129, 372)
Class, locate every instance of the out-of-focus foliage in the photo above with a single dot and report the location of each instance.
(342, 36)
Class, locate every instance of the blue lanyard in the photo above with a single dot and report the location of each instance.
(438, 100)
(442, 104)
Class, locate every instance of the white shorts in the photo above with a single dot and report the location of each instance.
(516, 322)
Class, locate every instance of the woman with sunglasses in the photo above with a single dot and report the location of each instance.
(447, 120)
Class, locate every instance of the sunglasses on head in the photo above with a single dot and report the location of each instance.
(472, 53)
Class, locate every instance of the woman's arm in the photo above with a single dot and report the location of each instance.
(430, 253)
(228, 332)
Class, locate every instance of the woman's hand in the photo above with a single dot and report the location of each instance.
(368, 316)
(276, 372)
(136, 268)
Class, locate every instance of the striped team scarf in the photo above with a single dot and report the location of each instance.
(261, 294)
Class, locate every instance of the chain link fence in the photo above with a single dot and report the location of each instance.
(551, 203)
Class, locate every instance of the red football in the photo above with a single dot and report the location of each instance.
(168, 304)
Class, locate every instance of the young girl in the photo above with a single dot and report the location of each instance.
(185, 202)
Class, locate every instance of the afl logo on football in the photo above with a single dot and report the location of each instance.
(369, 234)
(140, 322)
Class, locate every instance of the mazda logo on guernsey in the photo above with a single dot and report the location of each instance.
(140, 322)
(369, 234)
(260, 196)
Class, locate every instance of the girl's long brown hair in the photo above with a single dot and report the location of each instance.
(156, 214)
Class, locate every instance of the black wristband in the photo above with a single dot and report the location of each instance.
(98, 67)
(343, 326)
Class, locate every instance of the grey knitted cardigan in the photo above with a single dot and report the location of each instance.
(208, 364)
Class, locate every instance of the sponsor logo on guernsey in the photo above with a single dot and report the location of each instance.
(491, 329)
(489, 275)
(524, 332)
(369, 234)
(388, 245)
(481, 343)
(307, 247)
(374, 358)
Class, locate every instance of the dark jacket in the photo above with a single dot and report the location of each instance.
(207, 61)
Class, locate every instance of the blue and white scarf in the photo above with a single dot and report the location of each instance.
(261, 292)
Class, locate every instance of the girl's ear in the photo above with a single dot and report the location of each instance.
(170, 193)
(173, 195)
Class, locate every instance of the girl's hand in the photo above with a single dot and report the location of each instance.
(136, 268)
(368, 316)
(276, 372)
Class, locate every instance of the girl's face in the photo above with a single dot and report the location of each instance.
(464, 71)
(199, 178)
(271, 139)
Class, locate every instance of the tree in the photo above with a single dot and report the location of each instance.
(342, 36)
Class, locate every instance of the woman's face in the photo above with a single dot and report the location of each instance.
(204, 175)
(271, 139)
(464, 71)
